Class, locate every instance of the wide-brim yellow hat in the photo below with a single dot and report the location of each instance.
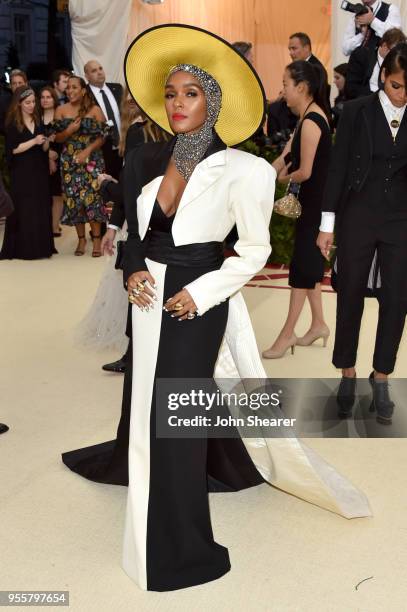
(153, 54)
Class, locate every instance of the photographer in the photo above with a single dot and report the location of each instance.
(367, 28)
(364, 65)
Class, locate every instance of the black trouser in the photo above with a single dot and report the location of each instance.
(361, 232)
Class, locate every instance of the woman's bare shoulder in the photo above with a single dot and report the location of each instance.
(96, 113)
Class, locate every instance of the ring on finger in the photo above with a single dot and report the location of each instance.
(135, 291)
(191, 316)
(140, 286)
(178, 306)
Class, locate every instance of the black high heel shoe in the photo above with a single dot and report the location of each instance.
(345, 397)
(381, 402)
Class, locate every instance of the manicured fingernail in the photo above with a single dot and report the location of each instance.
(172, 316)
(164, 308)
(155, 297)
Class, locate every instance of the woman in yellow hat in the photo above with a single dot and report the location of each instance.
(189, 319)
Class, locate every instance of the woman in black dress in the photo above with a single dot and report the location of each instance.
(28, 232)
(182, 198)
(305, 161)
(49, 103)
(340, 72)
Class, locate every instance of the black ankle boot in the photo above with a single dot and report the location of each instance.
(3, 428)
(345, 398)
(381, 402)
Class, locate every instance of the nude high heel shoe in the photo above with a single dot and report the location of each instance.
(310, 337)
(272, 354)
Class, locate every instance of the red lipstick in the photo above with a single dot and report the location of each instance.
(178, 117)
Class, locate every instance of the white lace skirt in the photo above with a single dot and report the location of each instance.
(104, 325)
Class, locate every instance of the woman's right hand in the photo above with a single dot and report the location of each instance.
(74, 125)
(107, 246)
(287, 148)
(105, 177)
(324, 243)
(40, 139)
(139, 292)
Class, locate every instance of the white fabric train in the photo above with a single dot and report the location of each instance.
(286, 463)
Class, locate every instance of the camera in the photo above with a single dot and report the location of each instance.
(279, 139)
(357, 9)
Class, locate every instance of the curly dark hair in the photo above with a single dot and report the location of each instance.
(86, 102)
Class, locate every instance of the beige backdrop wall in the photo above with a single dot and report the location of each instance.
(266, 23)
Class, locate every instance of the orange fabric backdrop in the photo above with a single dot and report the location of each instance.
(265, 23)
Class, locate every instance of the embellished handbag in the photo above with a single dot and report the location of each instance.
(289, 205)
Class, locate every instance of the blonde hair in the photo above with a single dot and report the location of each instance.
(128, 115)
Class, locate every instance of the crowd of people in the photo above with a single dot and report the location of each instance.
(66, 144)
(58, 141)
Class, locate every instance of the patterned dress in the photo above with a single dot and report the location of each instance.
(82, 201)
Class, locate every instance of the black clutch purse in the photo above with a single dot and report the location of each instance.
(120, 246)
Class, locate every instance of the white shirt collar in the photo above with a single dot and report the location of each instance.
(375, 6)
(385, 100)
(96, 88)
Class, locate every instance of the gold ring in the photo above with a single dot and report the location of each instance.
(135, 291)
(140, 286)
(178, 306)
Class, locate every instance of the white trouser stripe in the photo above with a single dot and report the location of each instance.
(146, 338)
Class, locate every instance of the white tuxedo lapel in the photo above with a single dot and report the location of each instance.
(205, 174)
(145, 203)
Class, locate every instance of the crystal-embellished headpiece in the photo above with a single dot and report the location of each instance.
(190, 148)
(24, 94)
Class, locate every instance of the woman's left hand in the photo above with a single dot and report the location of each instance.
(52, 166)
(182, 298)
(81, 158)
(283, 175)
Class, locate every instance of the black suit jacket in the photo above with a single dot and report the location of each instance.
(314, 60)
(115, 88)
(361, 64)
(352, 153)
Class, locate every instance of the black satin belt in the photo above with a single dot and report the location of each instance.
(161, 248)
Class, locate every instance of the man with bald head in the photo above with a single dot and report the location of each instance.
(108, 97)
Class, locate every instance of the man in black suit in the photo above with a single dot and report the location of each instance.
(280, 118)
(300, 48)
(108, 96)
(363, 74)
(60, 83)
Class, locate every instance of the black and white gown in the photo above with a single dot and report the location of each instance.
(168, 539)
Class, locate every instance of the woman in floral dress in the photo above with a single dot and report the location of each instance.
(80, 125)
